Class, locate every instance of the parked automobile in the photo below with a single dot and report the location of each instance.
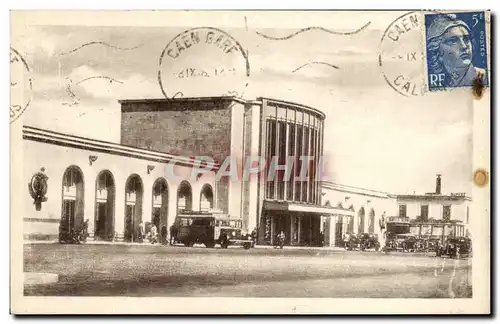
(431, 244)
(400, 242)
(368, 242)
(406, 242)
(351, 241)
(455, 247)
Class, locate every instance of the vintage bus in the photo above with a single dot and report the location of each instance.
(210, 229)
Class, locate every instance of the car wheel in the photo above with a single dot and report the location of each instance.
(247, 246)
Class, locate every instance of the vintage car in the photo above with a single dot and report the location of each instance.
(400, 242)
(210, 229)
(407, 242)
(369, 241)
(420, 245)
(455, 247)
(430, 244)
(351, 241)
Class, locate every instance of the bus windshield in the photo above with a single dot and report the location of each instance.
(202, 222)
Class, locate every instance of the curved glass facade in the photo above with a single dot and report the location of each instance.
(294, 137)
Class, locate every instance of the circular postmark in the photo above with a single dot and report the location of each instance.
(203, 62)
(401, 55)
(20, 85)
(481, 177)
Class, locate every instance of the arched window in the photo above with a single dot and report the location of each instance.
(184, 197)
(361, 220)
(371, 222)
(160, 203)
(104, 217)
(206, 198)
(72, 212)
(133, 208)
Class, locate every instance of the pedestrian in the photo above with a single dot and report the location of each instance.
(172, 234)
(281, 239)
(85, 230)
(153, 233)
(163, 234)
(141, 232)
(253, 235)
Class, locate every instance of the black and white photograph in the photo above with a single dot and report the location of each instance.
(300, 160)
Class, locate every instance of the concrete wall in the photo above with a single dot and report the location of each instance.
(237, 156)
(56, 159)
(181, 128)
(252, 201)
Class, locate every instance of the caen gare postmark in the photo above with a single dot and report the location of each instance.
(20, 85)
(203, 61)
(401, 55)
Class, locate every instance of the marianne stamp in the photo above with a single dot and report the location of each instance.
(203, 61)
(456, 52)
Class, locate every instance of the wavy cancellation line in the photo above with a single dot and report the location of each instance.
(315, 28)
(101, 43)
(310, 63)
(111, 80)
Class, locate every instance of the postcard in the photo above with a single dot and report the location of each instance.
(250, 162)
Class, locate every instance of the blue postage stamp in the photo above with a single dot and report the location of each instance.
(456, 49)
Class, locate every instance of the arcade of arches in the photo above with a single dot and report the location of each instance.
(364, 219)
(104, 218)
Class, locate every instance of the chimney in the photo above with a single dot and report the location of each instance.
(438, 184)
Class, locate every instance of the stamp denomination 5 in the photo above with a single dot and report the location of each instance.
(456, 50)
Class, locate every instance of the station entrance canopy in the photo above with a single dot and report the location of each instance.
(307, 208)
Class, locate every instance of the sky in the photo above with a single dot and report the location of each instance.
(375, 138)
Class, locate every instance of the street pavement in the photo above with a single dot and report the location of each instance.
(152, 270)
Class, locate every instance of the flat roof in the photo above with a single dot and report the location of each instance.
(182, 99)
(223, 98)
(291, 104)
(432, 197)
(94, 145)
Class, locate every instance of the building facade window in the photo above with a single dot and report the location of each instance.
(402, 210)
(292, 132)
(206, 198)
(447, 213)
(424, 212)
(467, 215)
(184, 197)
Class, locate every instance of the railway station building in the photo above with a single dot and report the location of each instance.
(118, 186)
(169, 161)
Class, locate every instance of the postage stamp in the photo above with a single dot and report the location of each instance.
(456, 49)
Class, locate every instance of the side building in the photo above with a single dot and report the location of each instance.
(368, 211)
(434, 213)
